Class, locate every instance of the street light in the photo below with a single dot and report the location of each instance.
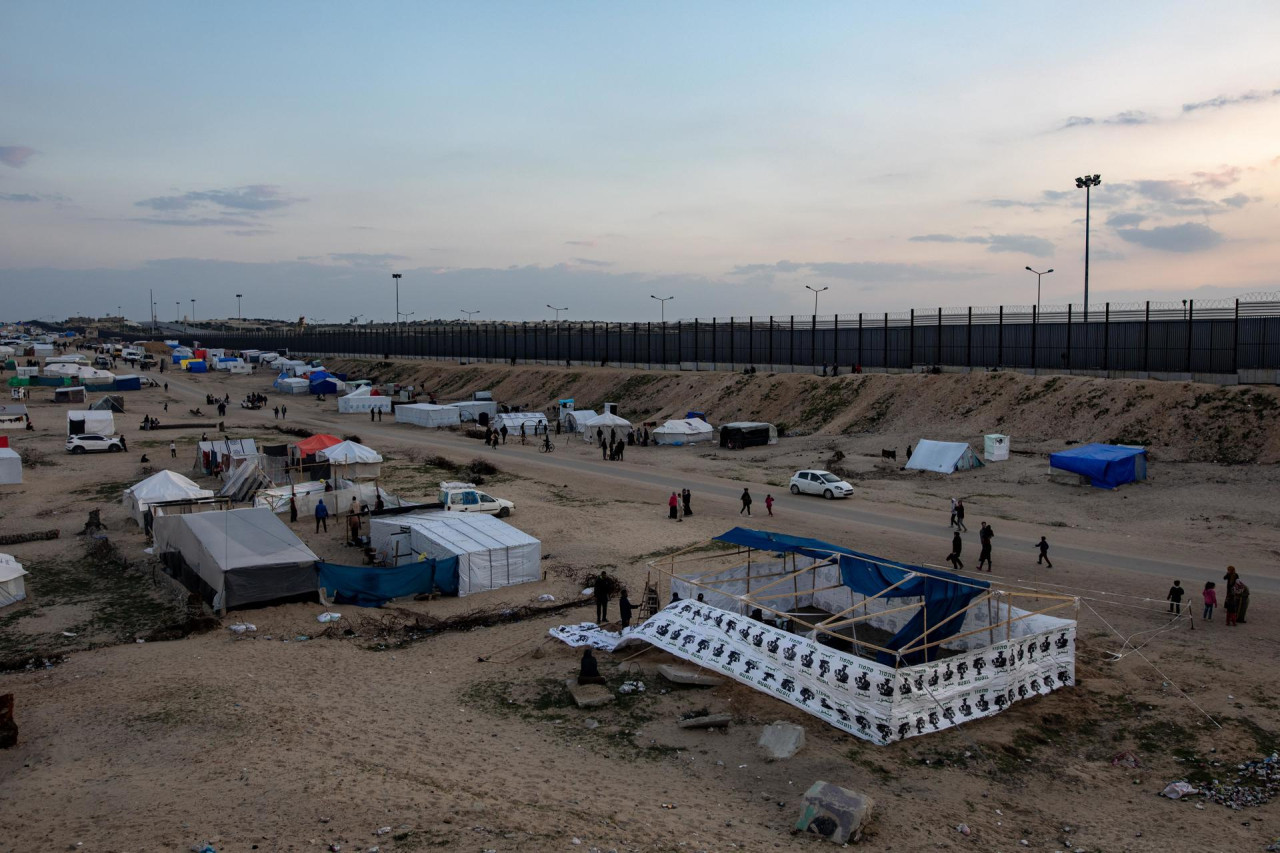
(557, 310)
(396, 277)
(239, 317)
(662, 310)
(1087, 183)
(1038, 275)
(816, 291)
(813, 334)
(193, 310)
(177, 312)
(469, 314)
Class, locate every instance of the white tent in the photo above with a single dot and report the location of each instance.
(239, 367)
(160, 487)
(491, 553)
(12, 586)
(427, 415)
(576, 420)
(82, 421)
(61, 368)
(352, 461)
(363, 400)
(472, 409)
(236, 557)
(995, 447)
(944, 457)
(688, 431)
(10, 467)
(289, 385)
(534, 422)
(93, 376)
(605, 422)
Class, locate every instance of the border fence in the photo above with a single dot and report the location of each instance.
(1205, 337)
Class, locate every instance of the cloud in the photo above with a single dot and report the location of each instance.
(236, 206)
(250, 232)
(1019, 243)
(591, 262)
(1127, 118)
(1125, 220)
(15, 155)
(1187, 237)
(587, 243)
(194, 222)
(1230, 100)
(1224, 177)
(22, 197)
(364, 259)
(1238, 200)
(1010, 202)
(869, 272)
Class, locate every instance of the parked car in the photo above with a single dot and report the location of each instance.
(819, 483)
(90, 443)
(465, 497)
(102, 362)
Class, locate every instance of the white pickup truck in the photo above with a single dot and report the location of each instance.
(465, 497)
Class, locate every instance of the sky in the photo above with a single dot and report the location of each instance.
(508, 156)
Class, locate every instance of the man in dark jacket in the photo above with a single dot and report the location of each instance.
(954, 557)
(322, 516)
(603, 588)
(746, 502)
(985, 535)
(624, 609)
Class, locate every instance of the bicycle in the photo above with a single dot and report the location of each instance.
(547, 446)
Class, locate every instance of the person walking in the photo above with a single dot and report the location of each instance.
(1232, 605)
(379, 415)
(952, 523)
(768, 504)
(746, 503)
(957, 545)
(522, 432)
(371, 416)
(624, 609)
(173, 450)
(604, 451)
(1043, 545)
(985, 535)
(1243, 595)
(322, 516)
(1175, 598)
(686, 498)
(503, 431)
(275, 411)
(284, 412)
(673, 505)
(600, 436)
(603, 586)
(353, 525)
(622, 450)
(960, 516)
(1210, 601)
(293, 508)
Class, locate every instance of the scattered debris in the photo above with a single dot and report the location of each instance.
(19, 538)
(681, 675)
(242, 627)
(706, 721)
(1178, 790)
(328, 617)
(588, 695)
(782, 740)
(1125, 759)
(631, 687)
(1256, 783)
(835, 813)
(964, 829)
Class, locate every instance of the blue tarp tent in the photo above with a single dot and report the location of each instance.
(945, 594)
(198, 367)
(368, 586)
(1106, 465)
(128, 383)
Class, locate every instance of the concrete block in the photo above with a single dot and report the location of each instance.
(710, 721)
(588, 695)
(782, 740)
(681, 675)
(835, 813)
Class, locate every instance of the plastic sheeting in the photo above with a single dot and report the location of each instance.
(995, 447)
(747, 434)
(81, 422)
(160, 487)
(12, 584)
(943, 457)
(491, 553)
(363, 400)
(689, 431)
(534, 422)
(1106, 465)
(427, 415)
(369, 586)
(606, 422)
(10, 467)
(352, 461)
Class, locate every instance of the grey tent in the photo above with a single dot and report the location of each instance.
(241, 556)
(109, 403)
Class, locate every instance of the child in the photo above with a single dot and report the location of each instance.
(1043, 545)
(1175, 598)
(1232, 605)
(1210, 601)
(768, 503)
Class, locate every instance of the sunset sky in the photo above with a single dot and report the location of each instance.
(503, 156)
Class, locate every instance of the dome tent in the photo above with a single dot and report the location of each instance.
(604, 422)
(687, 431)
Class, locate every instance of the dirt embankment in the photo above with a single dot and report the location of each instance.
(1179, 421)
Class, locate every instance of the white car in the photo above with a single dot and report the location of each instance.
(90, 443)
(819, 483)
(465, 497)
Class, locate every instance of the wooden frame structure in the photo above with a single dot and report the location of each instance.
(679, 566)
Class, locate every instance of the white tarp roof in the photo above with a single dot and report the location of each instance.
(604, 422)
(577, 419)
(491, 553)
(363, 399)
(686, 431)
(10, 467)
(160, 487)
(349, 453)
(12, 586)
(425, 414)
(229, 447)
(944, 457)
(95, 422)
(512, 420)
(243, 555)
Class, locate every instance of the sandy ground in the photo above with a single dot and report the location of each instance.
(253, 742)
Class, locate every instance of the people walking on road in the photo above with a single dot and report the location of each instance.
(322, 516)
(522, 432)
(1175, 598)
(746, 503)
(504, 433)
(284, 412)
(768, 504)
(604, 451)
(371, 415)
(276, 413)
(1210, 601)
(960, 516)
(686, 497)
(1043, 545)
(600, 436)
(673, 507)
(952, 523)
(957, 545)
(985, 535)
(124, 444)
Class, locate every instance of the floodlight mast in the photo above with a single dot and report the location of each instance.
(1087, 183)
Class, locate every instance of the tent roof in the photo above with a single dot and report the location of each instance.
(745, 425)
(316, 443)
(1101, 452)
(12, 409)
(9, 453)
(10, 568)
(165, 486)
(464, 532)
(686, 426)
(939, 456)
(245, 538)
(607, 420)
(349, 453)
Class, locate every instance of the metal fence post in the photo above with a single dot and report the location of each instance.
(696, 348)
(968, 340)
(835, 342)
(1068, 336)
(911, 340)
(813, 342)
(859, 340)
(664, 344)
(733, 352)
(1000, 339)
(715, 353)
(1191, 312)
(1035, 324)
(793, 342)
(751, 340)
(886, 342)
(939, 347)
(1235, 340)
(771, 342)
(1106, 336)
(1146, 339)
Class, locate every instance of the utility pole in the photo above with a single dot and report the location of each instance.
(1038, 275)
(396, 277)
(1087, 183)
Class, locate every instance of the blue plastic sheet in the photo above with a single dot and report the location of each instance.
(371, 586)
(1106, 465)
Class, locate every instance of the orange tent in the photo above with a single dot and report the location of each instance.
(312, 446)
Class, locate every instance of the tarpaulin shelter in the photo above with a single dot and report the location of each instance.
(10, 467)
(197, 367)
(606, 421)
(81, 422)
(128, 382)
(742, 434)
(160, 487)
(323, 382)
(13, 416)
(687, 431)
(109, 403)
(364, 399)
(236, 557)
(291, 385)
(12, 584)
(225, 453)
(74, 394)
(490, 553)
(352, 461)
(534, 422)
(481, 411)
(575, 420)
(995, 447)
(943, 457)
(373, 586)
(314, 444)
(428, 415)
(246, 480)
(1106, 465)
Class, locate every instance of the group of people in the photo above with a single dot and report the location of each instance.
(985, 536)
(253, 401)
(280, 412)
(1235, 602)
(680, 504)
(603, 587)
(375, 414)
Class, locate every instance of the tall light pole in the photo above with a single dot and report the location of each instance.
(662, 310)
(193, 310)
(557, 310)
(816, 291)
(1087, 183)
(239, 316)
(1038, 275)
(396, 277)
(813, 334)
(469, 314)
(177, 312)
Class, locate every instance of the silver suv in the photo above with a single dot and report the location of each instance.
(90, 443)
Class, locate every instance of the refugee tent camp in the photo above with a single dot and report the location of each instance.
(1105, 465)
(80, 422)
(428, 415)
(10, 467)
(351, 461)
(490, 553)
(995, 447)
(12, 586)
(738, 435)
(687, 431)
(607, 421)
(364, 399)
(534, 422)
(236, 557)
(160, 487)
(323, 382)
(944, 457)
